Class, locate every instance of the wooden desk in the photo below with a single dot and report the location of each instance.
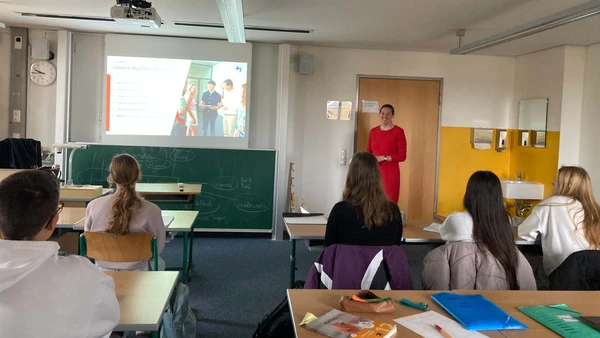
(143, 298)
(70, 217)
(4, 173)
(183, 222)
(319, 302)
(413, 232)
(82, 202)
(158, 191)
(301, 231)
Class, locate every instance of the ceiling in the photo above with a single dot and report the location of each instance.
(414, 25)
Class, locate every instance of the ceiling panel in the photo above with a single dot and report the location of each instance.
(415, 25)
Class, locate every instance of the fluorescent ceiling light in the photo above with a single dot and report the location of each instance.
(232, 15)
(558, 19)
(2, 25)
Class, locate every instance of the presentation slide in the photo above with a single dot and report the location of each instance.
(175, 97)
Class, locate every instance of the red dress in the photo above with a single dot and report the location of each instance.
(390, 143)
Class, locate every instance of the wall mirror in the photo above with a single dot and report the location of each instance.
(533, 115)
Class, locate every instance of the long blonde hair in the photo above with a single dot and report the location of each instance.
(574, 182)
(364, 189)
(124, 173)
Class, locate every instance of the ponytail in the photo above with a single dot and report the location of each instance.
(125, 201)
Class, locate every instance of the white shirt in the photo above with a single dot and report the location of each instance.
(458, 227)
(559, 220)
(232, 100)
(45, 295)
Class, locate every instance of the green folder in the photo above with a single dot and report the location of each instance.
(561, 319)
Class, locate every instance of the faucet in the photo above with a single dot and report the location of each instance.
(519, 175)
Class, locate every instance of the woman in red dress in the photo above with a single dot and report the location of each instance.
(388, 143)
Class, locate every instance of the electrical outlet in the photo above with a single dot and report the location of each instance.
(16, 116)
(16, 135)
(342, 157)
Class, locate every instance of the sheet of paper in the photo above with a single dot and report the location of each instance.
(167, 220)
(433, 227)
(370, 106)
(306, 220)
(423, 324)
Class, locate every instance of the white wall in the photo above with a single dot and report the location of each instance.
(263, 96)
(5, 40)
(590, 121)
(572, 103)
(41, 101)
(539, 75)
(478, 91)
(87, 72)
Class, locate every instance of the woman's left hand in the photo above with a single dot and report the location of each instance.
(380, 158)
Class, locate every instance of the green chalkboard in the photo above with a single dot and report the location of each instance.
(237, 185)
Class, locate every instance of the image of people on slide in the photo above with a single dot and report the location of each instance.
(186, 118)
(230, 103)
(211, 101)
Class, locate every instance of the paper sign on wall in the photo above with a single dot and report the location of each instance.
(370, 106)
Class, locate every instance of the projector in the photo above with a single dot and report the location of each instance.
(128, 15)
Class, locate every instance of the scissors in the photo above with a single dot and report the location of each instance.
(419, 306)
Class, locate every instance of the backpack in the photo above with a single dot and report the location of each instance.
(278, 324)
(179, 321)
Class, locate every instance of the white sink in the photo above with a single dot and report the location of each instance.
(522, 190)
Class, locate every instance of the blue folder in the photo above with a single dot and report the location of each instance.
(476, 312)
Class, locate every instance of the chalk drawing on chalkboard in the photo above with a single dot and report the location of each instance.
(248, 202)
(225, 183)
(211, 218)
(158, 164)
(182, 156)
(207, 204)
(246, 182)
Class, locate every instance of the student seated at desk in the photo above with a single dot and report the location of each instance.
(568, 221)
(365, 216)
(481, 252)
(125, 211)
(43, 294)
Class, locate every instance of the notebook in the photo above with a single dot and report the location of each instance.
(561, 319)
(423, 324)
(476, 312)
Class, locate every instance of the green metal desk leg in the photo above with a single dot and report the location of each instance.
(155, 334)
(293, 263)
(184, 268)
(191, 256)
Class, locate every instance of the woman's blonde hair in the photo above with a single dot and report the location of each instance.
(364, 189)
(575, 182)
(124, 173)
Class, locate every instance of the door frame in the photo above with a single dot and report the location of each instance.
(439, 127)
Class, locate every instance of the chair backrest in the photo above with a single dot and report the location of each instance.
(118, 248)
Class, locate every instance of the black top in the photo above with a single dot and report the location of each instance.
(346, 226)
(210, 99)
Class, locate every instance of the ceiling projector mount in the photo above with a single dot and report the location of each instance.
(137, 13)
(134, 3)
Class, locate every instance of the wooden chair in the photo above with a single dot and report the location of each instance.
(104, 246)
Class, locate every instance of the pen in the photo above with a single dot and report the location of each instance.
(444, 333)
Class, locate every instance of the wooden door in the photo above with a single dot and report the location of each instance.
(416, 104)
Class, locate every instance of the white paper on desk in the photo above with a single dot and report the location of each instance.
(423, 324)
(306, 220)
(433, 227)
(167, 220)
